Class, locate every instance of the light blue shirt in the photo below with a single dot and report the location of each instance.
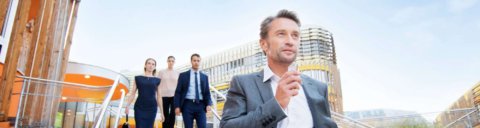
(191, 88)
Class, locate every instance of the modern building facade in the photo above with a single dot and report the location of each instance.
(35, 39)
(316, 58)
(464, 112)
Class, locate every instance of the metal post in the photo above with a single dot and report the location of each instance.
(85, 119)
(75, 114)
(64, 113)
(105, 103)
(22, 93)
(119, 107)
(469, 122)
(215, 120)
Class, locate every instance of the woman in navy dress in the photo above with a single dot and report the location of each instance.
(145, 107)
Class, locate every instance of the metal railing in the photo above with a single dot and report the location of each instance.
(347, 122)
(218, 92)
(30, 83)
(48, 94)
(214, 109)
(105, 103)
(466, 121)
(119, 108)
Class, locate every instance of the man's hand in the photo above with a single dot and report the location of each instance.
(207, 109)
(177, 111)
(126, 109)
(288, 87)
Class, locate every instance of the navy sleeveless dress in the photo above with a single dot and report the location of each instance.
(146, 104)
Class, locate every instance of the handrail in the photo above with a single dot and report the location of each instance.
(216, 114)
(20, 102)
(461, 118)
(62, 83)
(55, 83)
(415, 115)
(106, 101)
(120, 107)
(218, 92)
(340, 116)
(66, 83)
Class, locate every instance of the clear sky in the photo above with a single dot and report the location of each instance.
(411, 55)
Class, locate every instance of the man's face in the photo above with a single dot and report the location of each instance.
(195, 62)
(282, 41)
(170, 62)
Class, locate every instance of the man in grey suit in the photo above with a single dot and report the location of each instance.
(277, 96)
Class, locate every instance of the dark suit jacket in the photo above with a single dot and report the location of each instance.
(251, 104)
(182, 89)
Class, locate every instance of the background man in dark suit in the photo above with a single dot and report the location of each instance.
(192, 96)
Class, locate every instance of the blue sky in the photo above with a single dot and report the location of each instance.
(418, 56)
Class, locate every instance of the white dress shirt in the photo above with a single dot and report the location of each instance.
(298, 112)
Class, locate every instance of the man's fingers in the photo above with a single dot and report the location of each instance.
(288, 74)
(293, 85)
(295, 92)
(293, 88)
(288, 80)
(290, 85)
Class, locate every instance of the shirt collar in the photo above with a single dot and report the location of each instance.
(193, 71)
(268, 74)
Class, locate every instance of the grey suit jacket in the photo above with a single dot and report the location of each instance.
(250, 103)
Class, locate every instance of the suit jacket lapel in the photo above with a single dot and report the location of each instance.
(187, 77)
(264, 88)
(309, 89)
(203, 82)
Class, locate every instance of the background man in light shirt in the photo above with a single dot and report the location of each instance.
(168, 84)
(278, 96)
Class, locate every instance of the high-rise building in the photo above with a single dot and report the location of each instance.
(316, 58)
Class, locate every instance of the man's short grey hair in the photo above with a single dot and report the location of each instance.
(265, 26)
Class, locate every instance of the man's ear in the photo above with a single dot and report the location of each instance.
(264, 45)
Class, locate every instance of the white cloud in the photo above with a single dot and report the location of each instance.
(460, 5)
